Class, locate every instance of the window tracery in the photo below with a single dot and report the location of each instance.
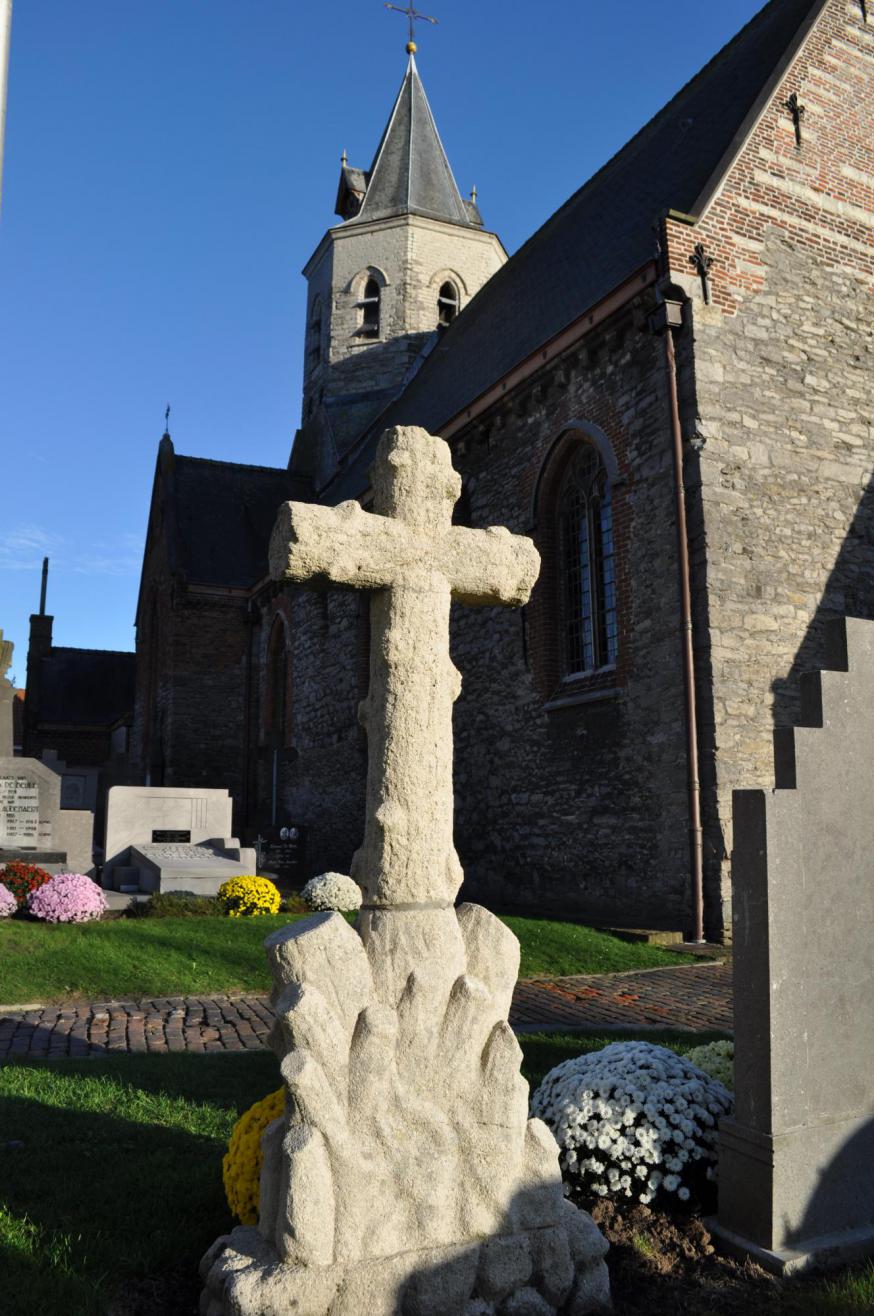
(587, 565)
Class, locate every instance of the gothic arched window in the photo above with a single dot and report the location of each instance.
(276, 702)
(370, 309)
(447, 303)
(588, 579)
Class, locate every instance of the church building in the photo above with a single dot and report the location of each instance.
(669, 387)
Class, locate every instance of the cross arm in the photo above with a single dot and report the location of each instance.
(323, 546)
(490, 566)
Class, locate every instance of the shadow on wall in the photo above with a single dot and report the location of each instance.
(849, 592)
(843, 1197)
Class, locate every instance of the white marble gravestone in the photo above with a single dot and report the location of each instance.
(405, 1178)
(796, 1162)
(171, 838)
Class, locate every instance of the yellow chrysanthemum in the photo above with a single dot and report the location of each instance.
(241, 1167)
(249, 895)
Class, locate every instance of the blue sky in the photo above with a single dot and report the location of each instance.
(170, 166)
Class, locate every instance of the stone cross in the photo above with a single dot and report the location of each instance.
(408, 551)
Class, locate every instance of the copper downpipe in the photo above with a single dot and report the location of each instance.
(696, 838)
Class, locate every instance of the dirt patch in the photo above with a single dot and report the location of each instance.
(669, 1265)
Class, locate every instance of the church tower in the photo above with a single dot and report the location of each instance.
(409, 255)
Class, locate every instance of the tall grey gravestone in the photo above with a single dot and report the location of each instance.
(33, 826)
(796, 1164)
(405, 1177)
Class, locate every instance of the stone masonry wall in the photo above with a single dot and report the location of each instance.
(205, 729)
(784, 373)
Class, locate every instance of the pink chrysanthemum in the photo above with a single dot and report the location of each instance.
(8, 903)
(67, 898)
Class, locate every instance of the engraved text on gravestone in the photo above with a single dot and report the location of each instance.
(19, 811)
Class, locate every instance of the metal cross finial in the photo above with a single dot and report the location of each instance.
(167, 419)
(414, 16)
(798, 111)
(703, 264)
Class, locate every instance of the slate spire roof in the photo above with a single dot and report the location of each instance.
(410, 173)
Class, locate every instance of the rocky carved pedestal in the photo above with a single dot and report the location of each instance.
(405, 1178)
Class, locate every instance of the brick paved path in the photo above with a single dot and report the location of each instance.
(697, 997)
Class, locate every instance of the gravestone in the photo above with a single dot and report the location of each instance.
(33, 826)
(177, 867)
(171, 838)
(796, 1163)
(405, 1176)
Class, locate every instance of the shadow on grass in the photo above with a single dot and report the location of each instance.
(110, 1178)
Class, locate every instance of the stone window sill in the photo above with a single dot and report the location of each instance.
(574, 698)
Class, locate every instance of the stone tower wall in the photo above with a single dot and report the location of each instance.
(409, 256)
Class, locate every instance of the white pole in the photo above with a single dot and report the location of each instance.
(5, 33)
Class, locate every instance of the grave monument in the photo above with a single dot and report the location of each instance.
(405, 1176)
(33, 826)
(796, 1162)
(171, 838)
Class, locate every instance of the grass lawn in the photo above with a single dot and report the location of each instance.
(110, 1182)
(136, 958)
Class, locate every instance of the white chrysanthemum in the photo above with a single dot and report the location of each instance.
(332, 891)
(639, 1106)
(717, 1060)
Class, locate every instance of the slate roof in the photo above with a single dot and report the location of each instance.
(410, 173)
(86, 687)
(602, 234)
(223, 515)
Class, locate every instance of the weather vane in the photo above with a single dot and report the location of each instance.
(414, 16)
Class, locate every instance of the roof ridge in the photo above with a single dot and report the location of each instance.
(239, 466)
(73, 648)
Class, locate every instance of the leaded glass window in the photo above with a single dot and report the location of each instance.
(588, 566)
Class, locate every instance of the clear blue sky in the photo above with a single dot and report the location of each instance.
(170, 166)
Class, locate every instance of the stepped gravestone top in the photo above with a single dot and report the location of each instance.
(797, 1159)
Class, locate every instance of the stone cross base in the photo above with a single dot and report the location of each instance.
(536, 1273)
(405, 1178)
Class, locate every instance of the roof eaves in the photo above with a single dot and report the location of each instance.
(711, 188)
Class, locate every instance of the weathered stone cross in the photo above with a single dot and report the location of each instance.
(417, 561)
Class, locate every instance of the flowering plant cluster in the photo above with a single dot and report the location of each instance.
(633, 1120)
(241, 1167)
(241, 896)
(67, 898)
(717, 1060)
(332, 891)
(8, 903)
(21, 878)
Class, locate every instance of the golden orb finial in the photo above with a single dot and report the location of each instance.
(411, 47)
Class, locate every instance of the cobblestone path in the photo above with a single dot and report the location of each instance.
(697, 997)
